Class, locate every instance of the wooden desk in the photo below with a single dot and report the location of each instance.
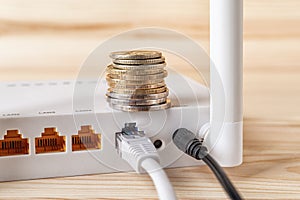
(50, 39)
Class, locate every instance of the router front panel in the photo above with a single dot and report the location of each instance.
(41, 136)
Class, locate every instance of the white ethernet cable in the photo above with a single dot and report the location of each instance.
(135, 148)
(160, 179)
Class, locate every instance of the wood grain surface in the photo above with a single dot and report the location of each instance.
(50, 40)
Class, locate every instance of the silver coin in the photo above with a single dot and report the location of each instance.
(140, 62)
(140, 67)
(140, 71)
(132, 82)
(136, 102)
(138, 96)
(162, 75)
(138, 91)
(156, 107)
(136, 54)
(126, 86)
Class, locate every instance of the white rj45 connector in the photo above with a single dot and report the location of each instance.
(135, 148)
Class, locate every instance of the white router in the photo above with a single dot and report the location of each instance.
(34, 115)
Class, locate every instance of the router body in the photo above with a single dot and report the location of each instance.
(43, 112)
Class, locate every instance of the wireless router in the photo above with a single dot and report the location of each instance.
(42, 135)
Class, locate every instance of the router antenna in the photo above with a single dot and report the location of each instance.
(226, 52)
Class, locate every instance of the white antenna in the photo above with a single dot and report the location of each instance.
(226, 52)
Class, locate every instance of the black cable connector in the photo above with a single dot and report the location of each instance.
(187, 142)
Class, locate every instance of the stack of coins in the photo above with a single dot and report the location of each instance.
(136, 81)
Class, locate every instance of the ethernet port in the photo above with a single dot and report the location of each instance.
(86, 139)
(14, 144)
(50, 142)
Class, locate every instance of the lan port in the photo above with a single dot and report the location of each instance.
(86, 139)
(50, 142)
(13, 144)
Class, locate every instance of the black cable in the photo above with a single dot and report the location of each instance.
(222, 177)
(186, 141)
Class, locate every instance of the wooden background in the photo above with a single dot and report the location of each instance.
(50, 39)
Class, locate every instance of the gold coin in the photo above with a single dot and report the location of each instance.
(125, 86)
(135, 55)
(140, 67)
(140, 77)
(132, 82)
(140, 62)
(138, 72)
(138, 91)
